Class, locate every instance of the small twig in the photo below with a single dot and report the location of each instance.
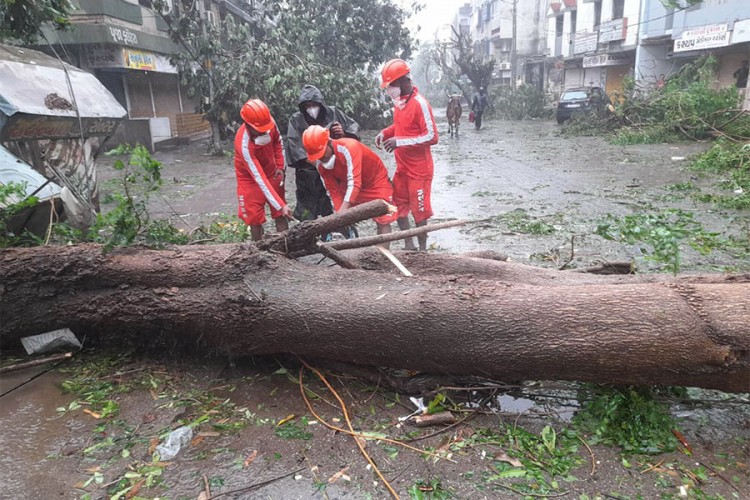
(720, 476)
(255, 485)
(358, 434)
(448, 427)
(35, 362)
(206, 486)
(593, 461)
(349, 424)
(572, 253)
(537, 495)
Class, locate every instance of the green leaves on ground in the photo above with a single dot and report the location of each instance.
(732, 161)
(429, 490)
(293, 430)
(628, 417)
(13, 202)
(660, 236)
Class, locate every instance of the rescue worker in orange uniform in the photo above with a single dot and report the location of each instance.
(351, 172)
(259, 167)
(409, 138)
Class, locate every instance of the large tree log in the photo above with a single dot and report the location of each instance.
(495, 319)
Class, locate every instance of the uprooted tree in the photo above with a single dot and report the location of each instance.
(461, 315)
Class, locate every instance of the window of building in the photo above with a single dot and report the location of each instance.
(559, 22)
(573, 21)
(597, 13)
(618, 9)
(669, 20)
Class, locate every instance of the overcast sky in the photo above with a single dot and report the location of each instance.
(435, 14)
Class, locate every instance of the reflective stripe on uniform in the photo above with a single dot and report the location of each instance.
(253, 167)
(411, 141)
(349, 172)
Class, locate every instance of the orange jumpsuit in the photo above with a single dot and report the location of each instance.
(358, 176)
(415, 131)
(256, 168)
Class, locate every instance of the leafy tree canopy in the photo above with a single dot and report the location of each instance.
(679, 4)
(335, 45)
(21, 19)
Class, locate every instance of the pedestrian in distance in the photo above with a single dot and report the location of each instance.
(312, 200)
(351, 172)
(409, 138)
(259, 167)
(740, 76)
(478, 105)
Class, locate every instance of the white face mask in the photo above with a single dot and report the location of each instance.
(393, 92)
(329, 164)
(262, 140)
(313, 111)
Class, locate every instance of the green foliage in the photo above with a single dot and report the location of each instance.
(679, 4)
(293, 430)
(537, 461)
(129, 220)
(527, 101)
(628, 417)
(437, 404)
(432, 490)
(662, 233)
(688, 106)
(21, 19)
(520, 222)
(651, 134)
(732, 160)
(334, 45)
(13, 201)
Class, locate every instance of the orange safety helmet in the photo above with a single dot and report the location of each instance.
(393, 70)
(315, 139)
(255, 113)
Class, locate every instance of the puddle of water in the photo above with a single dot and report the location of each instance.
(35, 438)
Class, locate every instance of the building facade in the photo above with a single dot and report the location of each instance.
(671, 38)
(493, 26)
(594, 43)
(126, 45)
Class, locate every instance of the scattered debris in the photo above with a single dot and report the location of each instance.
(174, 442)
(55, 340)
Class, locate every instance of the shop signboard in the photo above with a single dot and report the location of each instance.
(612, 31)
(741, 32)
(585, 42)
(704, 37)
(607, 60)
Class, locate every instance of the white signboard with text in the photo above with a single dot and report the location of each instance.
(705, 37)
(585, 42)
(741, 31)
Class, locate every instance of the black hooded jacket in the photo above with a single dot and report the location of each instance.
(296, 156)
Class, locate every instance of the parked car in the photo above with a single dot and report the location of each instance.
(581, 100)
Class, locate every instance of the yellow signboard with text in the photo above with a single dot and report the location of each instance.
(138, 59)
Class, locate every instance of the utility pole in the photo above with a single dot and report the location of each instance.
(513, 56)
(215, 137)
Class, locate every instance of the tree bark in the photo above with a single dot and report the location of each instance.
(489, 318)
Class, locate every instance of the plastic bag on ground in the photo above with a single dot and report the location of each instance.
(177, 439)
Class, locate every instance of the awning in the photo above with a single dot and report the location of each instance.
(36, 100)
(17, 171)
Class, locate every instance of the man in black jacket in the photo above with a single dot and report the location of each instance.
(478, 106)
(312, 200)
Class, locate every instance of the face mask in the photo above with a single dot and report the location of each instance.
(262, 140)
(313, 111)
(393, 92)
(329, 164)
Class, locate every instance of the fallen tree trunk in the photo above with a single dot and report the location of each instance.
(494, 319)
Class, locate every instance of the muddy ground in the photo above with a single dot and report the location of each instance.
(512, 178)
